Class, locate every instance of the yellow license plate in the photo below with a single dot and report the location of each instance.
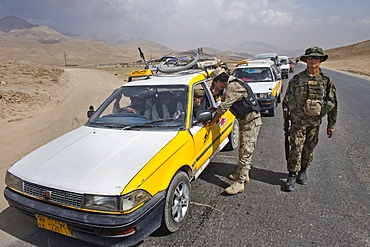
(53, 225)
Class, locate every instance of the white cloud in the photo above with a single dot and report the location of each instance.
(271, 18)
(218, 3)
(363, 22)
(203, 24)
(335, 19)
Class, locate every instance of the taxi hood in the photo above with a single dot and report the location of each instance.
(91, 160)
(262, 87)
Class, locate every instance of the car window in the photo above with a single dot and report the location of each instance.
(200, 99)
(253, 74)
(139, 105)
(275, 71)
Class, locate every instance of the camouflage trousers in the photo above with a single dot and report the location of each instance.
(303, 140)
(248, 133)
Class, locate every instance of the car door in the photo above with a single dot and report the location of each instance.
(277, 87)
(204, 138)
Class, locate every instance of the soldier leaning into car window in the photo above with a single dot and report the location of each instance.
(249, 124)
(310, 95)
(217, 96)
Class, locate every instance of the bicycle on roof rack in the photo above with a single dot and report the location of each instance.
(182, 61)
(179, 62)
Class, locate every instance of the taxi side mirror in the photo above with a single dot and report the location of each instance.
(204, 116)
(90, 112)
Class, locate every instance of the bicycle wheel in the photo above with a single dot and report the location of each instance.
(179, 62)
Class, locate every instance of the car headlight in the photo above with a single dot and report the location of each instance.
(13, 182)
(264, 95)
(115, 203)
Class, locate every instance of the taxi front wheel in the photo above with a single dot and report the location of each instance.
(233, 137)
(177, 203)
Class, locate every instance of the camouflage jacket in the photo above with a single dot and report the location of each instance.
(298, 92)
(234, 91)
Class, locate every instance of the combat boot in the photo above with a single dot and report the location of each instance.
(235, 188)
(302, 177)
(234, 177)
(289, 185)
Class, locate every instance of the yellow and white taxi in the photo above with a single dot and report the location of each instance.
(127, 171)
(265, 80)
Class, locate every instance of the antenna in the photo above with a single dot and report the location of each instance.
(141, 55)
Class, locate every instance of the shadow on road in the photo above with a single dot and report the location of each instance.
(267, 176)
(217, 173)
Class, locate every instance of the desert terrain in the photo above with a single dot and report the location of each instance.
(39, 102)
(27, 87)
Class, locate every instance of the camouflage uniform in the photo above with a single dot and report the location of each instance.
(248, 127)
(305, 129)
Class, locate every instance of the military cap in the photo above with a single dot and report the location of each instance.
(218, 71)
(314, 51)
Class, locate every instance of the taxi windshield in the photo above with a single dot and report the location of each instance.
(135, 107)
(255, 74)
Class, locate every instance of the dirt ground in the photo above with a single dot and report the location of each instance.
(37, 107)
(358, 65)
(39, 103)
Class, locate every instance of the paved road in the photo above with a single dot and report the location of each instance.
(332, 210)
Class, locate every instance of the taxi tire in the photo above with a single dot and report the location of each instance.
(271, 112)
(233, 137)
(177, 203)
(278, 100)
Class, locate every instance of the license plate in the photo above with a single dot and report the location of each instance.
(53, 225)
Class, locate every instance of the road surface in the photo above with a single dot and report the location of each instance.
(332, 210)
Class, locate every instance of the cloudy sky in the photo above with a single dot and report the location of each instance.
(188, 24)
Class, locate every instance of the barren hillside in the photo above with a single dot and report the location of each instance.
(353, 58)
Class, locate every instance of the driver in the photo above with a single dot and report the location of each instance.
(265, 76)
(137, 105)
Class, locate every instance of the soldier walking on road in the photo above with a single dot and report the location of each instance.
(310, 95)
(241, 101)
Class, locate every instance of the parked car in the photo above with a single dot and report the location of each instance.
(284, 66)
(125, 173)
(291, 65)
(268, 89)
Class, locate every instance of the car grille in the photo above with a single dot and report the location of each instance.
(56, 196)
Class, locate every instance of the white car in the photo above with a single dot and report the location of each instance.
(284, 66)
(265, 80)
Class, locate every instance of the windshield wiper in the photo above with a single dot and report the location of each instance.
(152, 124)
(114, 125)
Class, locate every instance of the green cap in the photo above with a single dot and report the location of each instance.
(314, 51)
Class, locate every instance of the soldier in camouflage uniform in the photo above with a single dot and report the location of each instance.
(249, 126)
(310, 95)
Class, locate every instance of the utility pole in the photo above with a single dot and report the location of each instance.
(65, 59)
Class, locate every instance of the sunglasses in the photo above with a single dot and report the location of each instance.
(313, 57)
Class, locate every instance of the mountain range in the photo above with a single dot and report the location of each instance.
(21, 40)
